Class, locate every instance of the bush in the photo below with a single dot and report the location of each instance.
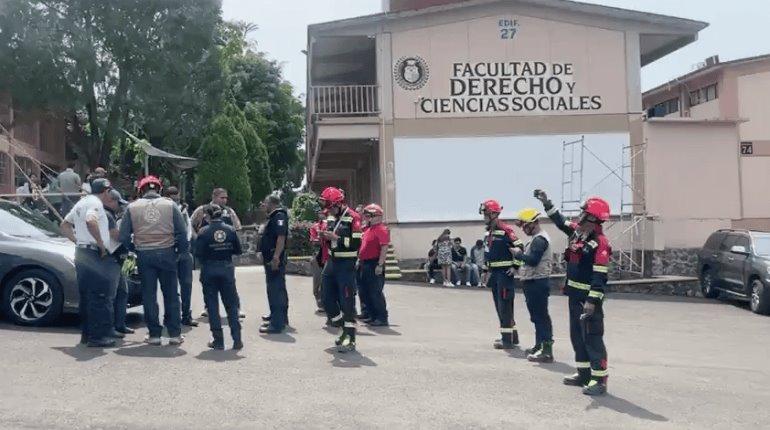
(257, 157)
(299, 240)
(305, 207)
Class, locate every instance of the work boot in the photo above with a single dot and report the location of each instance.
(501, 344)
(266, 318)
(101, 343)
(189, 322)
(595, 388)
(219, 341)
(237, 342)
(579, 379)
(515, 337)
(345, 344)
(533, 350)
(544, 355)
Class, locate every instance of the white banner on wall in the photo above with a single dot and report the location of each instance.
(445, 179)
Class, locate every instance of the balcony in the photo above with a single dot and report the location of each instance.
(344, 101)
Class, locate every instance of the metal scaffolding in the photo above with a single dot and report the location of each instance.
(627, 227)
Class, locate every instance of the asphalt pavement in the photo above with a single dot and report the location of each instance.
(674, 364)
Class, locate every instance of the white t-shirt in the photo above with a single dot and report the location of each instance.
(88, 208)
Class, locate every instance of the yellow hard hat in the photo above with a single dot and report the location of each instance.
(528, 215)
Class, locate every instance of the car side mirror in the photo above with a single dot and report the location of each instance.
(738, 249)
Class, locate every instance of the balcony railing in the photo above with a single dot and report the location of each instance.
(345, 100)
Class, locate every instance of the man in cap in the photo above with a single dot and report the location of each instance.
(185, 262)
(115, 209)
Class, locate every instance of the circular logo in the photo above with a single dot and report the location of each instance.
(220, 236)
(411, 73)
(151, 214)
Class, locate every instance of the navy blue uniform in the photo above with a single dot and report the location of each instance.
(501, 265)
(277, 226)
(215, 247)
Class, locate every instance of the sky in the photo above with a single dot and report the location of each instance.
(737, 29)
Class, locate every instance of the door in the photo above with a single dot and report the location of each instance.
(734, 262)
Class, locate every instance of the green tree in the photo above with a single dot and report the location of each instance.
(305, 207)
(223, 164)
(257, 158)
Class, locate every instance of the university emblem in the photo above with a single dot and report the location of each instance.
(411, 73)
(151, 214)
(220, 236)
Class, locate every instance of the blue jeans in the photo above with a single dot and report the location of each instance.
(159, 265)
(97, 282)
(373, 285)
(121, 303)
(536, 292)
(185, 275)
(218, 278)
(277, 297)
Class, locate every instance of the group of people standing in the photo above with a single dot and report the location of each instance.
(587, 257)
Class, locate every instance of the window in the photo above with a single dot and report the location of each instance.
(703, 95)
(667, 107)
(762, 245)
(714, 240)
(19, 221)
(5, 168)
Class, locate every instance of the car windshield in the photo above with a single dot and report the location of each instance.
(16, 220)
(762, 245)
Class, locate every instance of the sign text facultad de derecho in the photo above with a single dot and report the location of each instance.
(511, 87)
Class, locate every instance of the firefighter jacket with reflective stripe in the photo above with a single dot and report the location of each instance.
(587, 259)
(497, 247)
(347, 226)
(537, 258)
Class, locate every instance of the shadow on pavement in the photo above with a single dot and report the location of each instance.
(623, 406)
(220, 356)
(556, 367)
(387, 331)
(349, 359)
(516, 352)
(283, 337)
(82, 352)
(151, 351)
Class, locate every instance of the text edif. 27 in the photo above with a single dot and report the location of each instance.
(508, 28)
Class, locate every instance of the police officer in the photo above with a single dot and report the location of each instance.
(343, 235)
(185, 263)
(587, 256)
(500, 242)
(88, 227)
(115, 209)
(159, 237)
(197, 220)
(371, 263)
(535, 276)
(217, 243)
(273, 249)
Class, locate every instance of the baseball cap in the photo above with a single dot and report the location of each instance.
(115, 194)
(100, 185)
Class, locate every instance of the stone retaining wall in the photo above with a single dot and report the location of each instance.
(249, 240)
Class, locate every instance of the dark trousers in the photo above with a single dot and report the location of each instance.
(318, 283)
(97, 282)
(218, 279)
(536, 292)
(363, 293)
(121, 302)
(185, 276)
(159, 265)
(587, 338)
(503, 293)
(277, 297)
(373, 287)
(340, 294)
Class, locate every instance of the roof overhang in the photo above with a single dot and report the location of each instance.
(669, 34)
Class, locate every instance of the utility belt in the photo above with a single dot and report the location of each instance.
(503, 264)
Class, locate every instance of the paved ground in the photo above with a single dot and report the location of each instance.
(674, 365)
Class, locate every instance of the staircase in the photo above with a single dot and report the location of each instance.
(392, 271)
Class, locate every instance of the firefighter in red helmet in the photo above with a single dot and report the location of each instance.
(587, 257)
(343, 235)
(500, 242)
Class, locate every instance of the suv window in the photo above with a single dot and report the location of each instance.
(714, 240)
(729, 241)
(744, 241)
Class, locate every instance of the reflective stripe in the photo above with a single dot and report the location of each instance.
(551, 211)
(348, 254)
(596, 294)
(357, 235)
(506, 330)
(518, 263)
(500, 263)
(337, 318)
(518, 242)
(346, 219)
(346, 242)
(600, 268)
(592, 244)
(499, 233)
(578, 285)
(600, 373)
(350, 324)
(583, 364)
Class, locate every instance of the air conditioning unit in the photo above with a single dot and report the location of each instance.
(713, 60)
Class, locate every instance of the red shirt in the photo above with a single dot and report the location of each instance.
(315, 237)
(373, 239)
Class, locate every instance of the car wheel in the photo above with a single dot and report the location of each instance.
(32, 297)
(760, 298)
(707, 285)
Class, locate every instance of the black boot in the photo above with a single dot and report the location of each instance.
(515, 337)
(544, 355)
(237, 342)
(218, 342)
(579, 379)
(534, 349)
(595, 388)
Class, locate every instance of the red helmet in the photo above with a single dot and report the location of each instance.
(332, 196)
(491, 207)
(597, 208)
(149, 182)
(373, 210)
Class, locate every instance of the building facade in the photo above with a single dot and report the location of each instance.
(36, 136)
(435, 106)
(738, 91)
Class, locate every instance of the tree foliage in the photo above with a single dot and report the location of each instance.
(223, 154)
(305, 207)
(256, 159)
